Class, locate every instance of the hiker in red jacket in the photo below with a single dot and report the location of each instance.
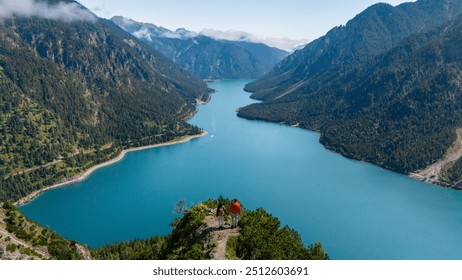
(235, 209)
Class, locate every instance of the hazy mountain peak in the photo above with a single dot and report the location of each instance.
(124, 21)
(241, 36)
(204, 56)
(150, 31)
(180, 33)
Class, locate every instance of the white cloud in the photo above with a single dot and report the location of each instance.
(233, 35)
(143, 33)
(181, 33)
(32, 8)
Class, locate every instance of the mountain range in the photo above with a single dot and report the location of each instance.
(384, 88)
(206, 57)
(75, 91)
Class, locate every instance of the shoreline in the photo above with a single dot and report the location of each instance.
(413, 175)
(83, 176)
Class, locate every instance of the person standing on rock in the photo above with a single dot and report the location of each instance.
(221, 211)
(235, 209)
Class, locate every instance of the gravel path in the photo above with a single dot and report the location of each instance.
(219, 237)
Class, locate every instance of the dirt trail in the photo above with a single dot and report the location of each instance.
(218, 237)
(16, 254)
(5, 235)
(432, 173)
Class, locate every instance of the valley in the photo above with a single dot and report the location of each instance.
(353, 131)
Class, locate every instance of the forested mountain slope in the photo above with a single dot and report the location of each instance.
(74, 92)
(399, 110)
(372, 32)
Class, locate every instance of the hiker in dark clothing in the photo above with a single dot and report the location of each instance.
(221, 211)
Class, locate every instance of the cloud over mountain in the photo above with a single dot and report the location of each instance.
(233, 35)
(31, 8)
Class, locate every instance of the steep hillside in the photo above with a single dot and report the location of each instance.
(210, 59)
(372, 32)
(203, 56)
(74, 92)
(270, 55)
(21, 239)
(399, 110)
(261, 237)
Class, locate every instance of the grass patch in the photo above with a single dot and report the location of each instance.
(231, 247)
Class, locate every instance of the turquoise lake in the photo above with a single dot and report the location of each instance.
(357, 210)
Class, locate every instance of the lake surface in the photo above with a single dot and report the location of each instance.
(357, 210)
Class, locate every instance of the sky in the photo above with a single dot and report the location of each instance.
(294, 19)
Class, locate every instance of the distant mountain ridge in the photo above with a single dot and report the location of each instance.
(149, 31)
(286, 44)
(204, 56)
(398, 108)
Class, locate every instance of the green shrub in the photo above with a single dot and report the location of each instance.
(262, 239)
(11, 248)
(60, 249)
(196, 252)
